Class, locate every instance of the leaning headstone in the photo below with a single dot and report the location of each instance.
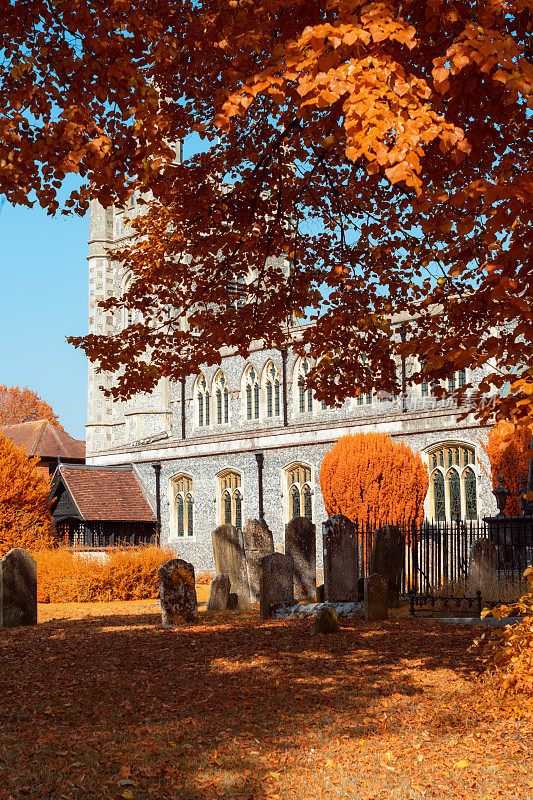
(340, 560)
(258, 542)
(326, 621)
(388, 560)
(177, 592)
(275, 581)
(228, 549)
(375, 604)
(219, 593)
(483, 569)
(300, 543)
(19, 589)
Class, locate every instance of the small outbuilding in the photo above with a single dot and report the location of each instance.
(98, 507)
(45, 443)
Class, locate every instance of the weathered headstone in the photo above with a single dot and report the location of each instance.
(228, 549)
(326, 621)
(177, 592)
(320, 594)
(483, 569)
(276, 571)
(258, 542)
(19, 589)
(375, 604)
(300, 543)
(340, 560)
(388, 560)
(219, 593)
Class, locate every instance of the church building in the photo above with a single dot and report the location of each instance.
(247, 438)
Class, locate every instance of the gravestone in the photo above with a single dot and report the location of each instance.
(177, 592)
(340, 560)
(320, 596)
(228, 549)
(388, 560)
(300, 543)
(483, 569)
(19, 589)
(258, 542)
(326, 621)
(375, 603)
(219, 593)
(276, 581)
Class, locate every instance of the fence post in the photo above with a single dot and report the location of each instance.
(478, 598)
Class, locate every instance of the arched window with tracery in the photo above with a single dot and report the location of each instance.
(128, 317)
(182, 502)
(298, 491)
(272, 390)
(305, 393)
(221, 394)
(251, 393)
(453, 483)
(203, 402)
(231, 499)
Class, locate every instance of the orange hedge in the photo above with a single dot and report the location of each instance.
(64, 576)
(508, 452)
(368, 476)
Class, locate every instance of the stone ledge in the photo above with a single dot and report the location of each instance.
(310, 610)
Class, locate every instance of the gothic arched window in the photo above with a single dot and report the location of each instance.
(305, 393)
(203, 402)
(251, 389)
(298, 491)
(221, 394)
(272, 390)
(454, 483)
(182, 500)
(230, 506)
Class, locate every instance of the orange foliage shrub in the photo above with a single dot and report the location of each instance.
(368, 476)
(64, 576)
(508, 452)
(509, 651)
(25, 519)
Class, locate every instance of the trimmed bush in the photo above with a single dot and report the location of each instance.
(368, 476)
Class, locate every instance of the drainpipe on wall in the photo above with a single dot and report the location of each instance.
(183, 408)
(157, 469)
(259, 457)
(284, 385)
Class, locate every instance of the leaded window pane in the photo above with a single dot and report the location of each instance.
(324, 405)
(256, 401)
(227, 508)
(434, 460)
(226, 405)
(359, 399)
(425, 388)
(450, 457)
(309, 399)
(295, 502)
(454, 492)
(200, 410)
(462, 378)
(179, 504)
(470, 493)
(308, 508)
(439, 507)
(451, 383)
(441, 458)
(276, 399)
(248, 402)
(369, 397)
(207, 408)
(238, 511)
(269, 399)
(219, 407)
(301, 395)
(189, 516)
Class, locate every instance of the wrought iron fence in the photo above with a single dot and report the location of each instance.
(438, 555)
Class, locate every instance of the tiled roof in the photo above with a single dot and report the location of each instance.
(107, 493)
(42, 439)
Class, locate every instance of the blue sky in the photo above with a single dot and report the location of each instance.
(43, 298)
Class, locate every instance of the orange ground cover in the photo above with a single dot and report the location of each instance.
(99, 701)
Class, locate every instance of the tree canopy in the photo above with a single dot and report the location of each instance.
(24, 405)
(369, 164)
